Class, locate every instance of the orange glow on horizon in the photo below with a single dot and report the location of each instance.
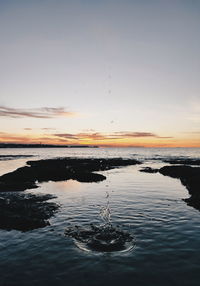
(119, 142)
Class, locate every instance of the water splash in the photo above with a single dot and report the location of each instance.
(103, 238)
(105, 212)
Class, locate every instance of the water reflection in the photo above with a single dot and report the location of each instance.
(149, 206)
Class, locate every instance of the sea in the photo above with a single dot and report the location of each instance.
(166, 230)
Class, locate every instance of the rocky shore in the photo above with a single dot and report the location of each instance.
(25, 212)
(189, 177)
(82, 170)
(22, 211)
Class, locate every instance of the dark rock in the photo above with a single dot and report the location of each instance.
(19, 180)
(190, 178)
(183, 161)
(193, 202)
(89, 164)
(88, 177)
(58, 170)
(149, 170)
(105, 238)
(19, 186)
(25, 211)
(179, 171)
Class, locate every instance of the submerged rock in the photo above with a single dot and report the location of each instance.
(25, 212)
(59, 169)
(149, 170)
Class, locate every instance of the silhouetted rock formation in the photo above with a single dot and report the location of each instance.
(18, 145)
(59, 170)
(190, 178)
(183, 161)
(25, 211)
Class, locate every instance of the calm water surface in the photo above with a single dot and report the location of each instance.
(150, 206)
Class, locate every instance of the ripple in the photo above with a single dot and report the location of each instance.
(101, 238)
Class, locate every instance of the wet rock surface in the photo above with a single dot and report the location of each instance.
(25, 212)
(190, 178)
(105, 238)
(59, 169)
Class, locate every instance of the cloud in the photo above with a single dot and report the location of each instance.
(47, 128)
(128, 134)
(12, 138)
(17, 138)
(43, 112)
(97, 136)
(88, 130)
(135, 134)
(122, 138)
(112, 136)
(88, 136)
(66, 136)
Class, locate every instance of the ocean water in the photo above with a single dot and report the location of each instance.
(149, 206)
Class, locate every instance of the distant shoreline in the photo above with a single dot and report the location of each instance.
(8, 145)
(16, 145)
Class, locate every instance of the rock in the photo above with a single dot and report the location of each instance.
(59, 169)
(183, 161)
(87, 177)
(89, 164)
(149, 170)
(190, 178)
(178, 171)
(25, 212)
(105, 238)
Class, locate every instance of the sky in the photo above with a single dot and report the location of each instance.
(108, 73)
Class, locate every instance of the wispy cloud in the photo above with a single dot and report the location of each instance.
(44, 129)
(47, 129)
(122, 139)
(43, 112)
(87, 136)
(112, 136)
(128, 134)
(18, 138)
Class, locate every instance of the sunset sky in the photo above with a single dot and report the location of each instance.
(109, 73)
